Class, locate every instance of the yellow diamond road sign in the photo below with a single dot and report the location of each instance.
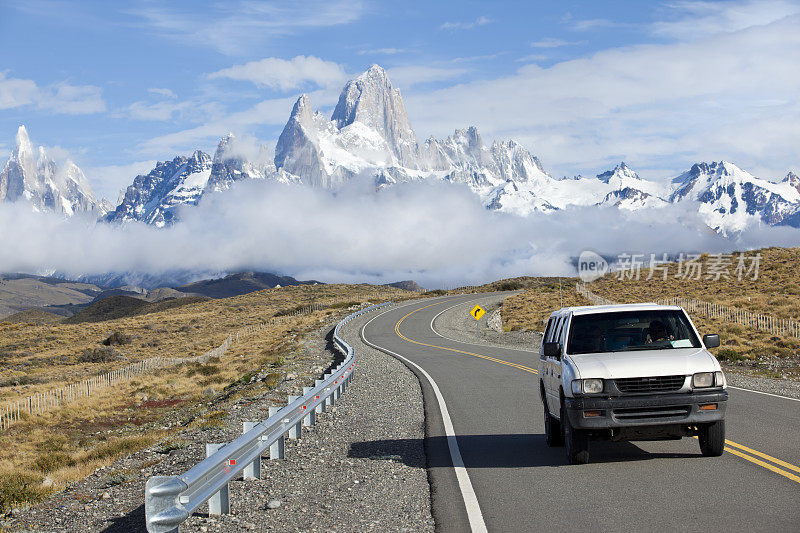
(477, 312)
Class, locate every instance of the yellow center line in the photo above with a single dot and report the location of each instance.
(731, 446)
(493, 359)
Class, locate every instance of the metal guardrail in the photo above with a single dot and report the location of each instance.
(170, 500)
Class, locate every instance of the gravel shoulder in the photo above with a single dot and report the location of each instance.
(456, 324)
(361, 468)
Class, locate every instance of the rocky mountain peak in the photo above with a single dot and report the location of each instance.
(22, 142)
(48, 185)
(371, 100)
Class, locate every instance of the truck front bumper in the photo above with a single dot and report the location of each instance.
(646, 410)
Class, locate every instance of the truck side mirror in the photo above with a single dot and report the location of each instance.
(552, 349)
(711, 340)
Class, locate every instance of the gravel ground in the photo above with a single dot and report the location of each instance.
(457, 324)
(361, 468)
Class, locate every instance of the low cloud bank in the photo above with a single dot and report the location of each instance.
(437, 234)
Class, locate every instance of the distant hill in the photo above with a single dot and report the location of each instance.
(33, 316)
(121, 306)
(241, 283)
(20, 292)
(407, 285)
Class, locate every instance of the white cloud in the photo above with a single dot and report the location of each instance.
(107, 181)
(696, 20)
(157, 111)
(239, 27)
(672, 102)
(550, 42)
(72, 99)
(58, 98)
(388, 236)
(15, 92)
(480, 21)
(410, 75)
(381, 51)
(275, 111)
(285, 74)
(159, 91)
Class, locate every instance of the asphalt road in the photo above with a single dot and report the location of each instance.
(511, 480)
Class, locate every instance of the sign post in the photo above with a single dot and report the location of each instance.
(476, 313)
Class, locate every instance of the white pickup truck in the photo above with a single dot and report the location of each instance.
(629, 372)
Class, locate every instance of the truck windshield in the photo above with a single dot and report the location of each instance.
(630, 330)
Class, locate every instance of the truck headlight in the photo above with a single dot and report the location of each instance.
(587, 386)
(719, 379)
(703, 380)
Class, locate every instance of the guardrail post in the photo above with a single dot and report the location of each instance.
(296, 431)
(311, 418)
(276, 449)
(253, 470)
(219, 503)
(320, 408)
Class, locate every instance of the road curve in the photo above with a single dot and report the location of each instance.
(511, 480)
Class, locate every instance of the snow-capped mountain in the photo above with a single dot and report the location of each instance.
(33, 176)
(369, 135)
(730, 199)
(153, 198)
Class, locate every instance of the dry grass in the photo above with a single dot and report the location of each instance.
(72, 441)
(528, 310)
(775, 292)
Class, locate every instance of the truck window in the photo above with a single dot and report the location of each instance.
(631, 330)
(548, 330)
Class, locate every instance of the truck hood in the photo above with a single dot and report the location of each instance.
(634, 364)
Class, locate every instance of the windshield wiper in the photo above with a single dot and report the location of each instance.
(647, 347)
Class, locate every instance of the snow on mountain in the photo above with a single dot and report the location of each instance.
(152, 198)
(36, 177)
(370, 136)
(730, 199)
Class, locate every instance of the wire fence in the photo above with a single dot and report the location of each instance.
(40, 403)
(777, 326)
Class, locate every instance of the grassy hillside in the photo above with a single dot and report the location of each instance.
(69, 442)
(774, 291)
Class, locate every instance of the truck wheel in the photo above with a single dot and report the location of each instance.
(576, 441)
(552, 430)
(712, 439)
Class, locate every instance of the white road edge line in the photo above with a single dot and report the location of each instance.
(765, 393)
(462, 342)
(474, 514)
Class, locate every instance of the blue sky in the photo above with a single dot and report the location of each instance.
(583, 85)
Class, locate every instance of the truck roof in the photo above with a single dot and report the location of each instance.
(592, 309)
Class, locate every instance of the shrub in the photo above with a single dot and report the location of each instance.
(116, 447)
(17, 488)
(510, 286)
(117, 339)
(103, 354)
(272, 380)
(53, 461)
(727, 354)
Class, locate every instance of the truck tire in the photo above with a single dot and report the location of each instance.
(712, 439)
(552, 430)
(576, 441)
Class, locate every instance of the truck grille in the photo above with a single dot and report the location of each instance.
(649, 413)
(650, 384)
